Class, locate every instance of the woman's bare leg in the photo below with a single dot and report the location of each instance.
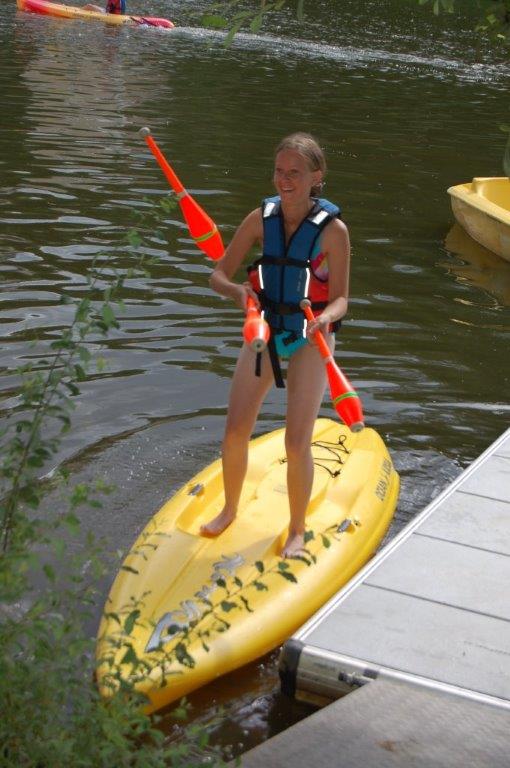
(247, 393)
(306, 383)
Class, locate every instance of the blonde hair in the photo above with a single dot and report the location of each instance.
(309, 149)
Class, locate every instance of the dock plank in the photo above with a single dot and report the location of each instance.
(503, 449)
(392, 725)
(442, 572)
(472, 521)
(493, 482)
(418, 637)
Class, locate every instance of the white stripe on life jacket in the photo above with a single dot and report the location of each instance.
(307, 284)
(268, 209)
(320, 217)
(261, 279)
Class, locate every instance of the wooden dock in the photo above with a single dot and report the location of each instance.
(420, 639)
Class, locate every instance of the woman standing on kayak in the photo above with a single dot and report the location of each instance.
(305, 254)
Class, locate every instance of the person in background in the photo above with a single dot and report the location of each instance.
(306, 254)
(112, 6)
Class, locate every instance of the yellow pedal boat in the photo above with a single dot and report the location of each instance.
(185, 609)
(482, 208)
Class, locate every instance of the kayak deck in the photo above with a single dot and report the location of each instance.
(197, 608)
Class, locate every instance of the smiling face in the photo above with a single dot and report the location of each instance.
(293, 177)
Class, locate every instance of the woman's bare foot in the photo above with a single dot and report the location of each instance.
(218, 524)
(294, 545)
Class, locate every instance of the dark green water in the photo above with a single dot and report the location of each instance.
(405, 105)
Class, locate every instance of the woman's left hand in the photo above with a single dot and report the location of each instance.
(320, 323)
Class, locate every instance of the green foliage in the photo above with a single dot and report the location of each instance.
(446, 6)
(235, 15)
(52, 713)
(494, 18)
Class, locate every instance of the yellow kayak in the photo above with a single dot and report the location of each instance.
(482, 208)
(185, 609)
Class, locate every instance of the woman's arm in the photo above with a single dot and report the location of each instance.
(337, 249)
(249, 233)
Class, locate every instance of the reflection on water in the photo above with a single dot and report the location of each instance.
(398, 101)
(481, 267)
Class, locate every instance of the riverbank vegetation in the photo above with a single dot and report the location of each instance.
(52, 713)
(233, 15)
(494, 16)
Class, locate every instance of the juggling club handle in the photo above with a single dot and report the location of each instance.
(171, 176)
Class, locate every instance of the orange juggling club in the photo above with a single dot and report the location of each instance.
(207, 237)
(345, 400)
(202, 228)
(255, 331)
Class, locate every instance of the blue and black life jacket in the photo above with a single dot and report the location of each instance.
(282, 277)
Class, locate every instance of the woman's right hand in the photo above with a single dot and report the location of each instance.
(241, 296)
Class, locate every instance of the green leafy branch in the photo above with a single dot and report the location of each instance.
(438, 6)
(495, 19)
(174, 653)
(48, 386)
(52, 713)
(235, 15)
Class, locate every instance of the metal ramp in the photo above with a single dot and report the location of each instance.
(432, 609)
(392, 725)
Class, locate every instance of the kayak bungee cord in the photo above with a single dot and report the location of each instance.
(333, 453)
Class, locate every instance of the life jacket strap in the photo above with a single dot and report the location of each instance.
(275, 363)
(287, 309)
(274, 360)
(281, 261)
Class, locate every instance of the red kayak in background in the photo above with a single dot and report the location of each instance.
(72, 12)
